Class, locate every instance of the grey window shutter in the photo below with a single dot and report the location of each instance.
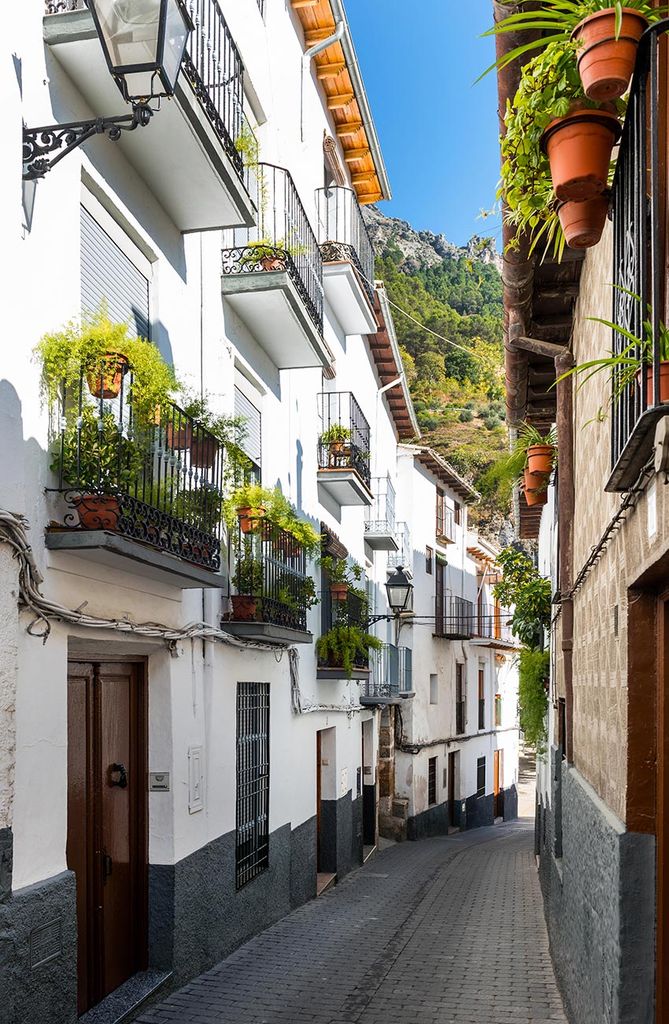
(108, 275)
(252, 441)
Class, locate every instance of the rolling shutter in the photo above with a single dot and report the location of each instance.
(108, 275)
(252, 442)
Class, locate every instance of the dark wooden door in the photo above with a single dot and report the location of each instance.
(319, 771)
(662, 819)
(106, 840)
(452, 812)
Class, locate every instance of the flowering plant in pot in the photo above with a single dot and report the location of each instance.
(341, 576)
(247, 580)
(342, 646)
(213, 431)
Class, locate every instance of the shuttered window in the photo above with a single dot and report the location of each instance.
(107, 275)
(252, 443)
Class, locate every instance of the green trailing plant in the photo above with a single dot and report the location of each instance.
(247, 145)
(528, 592)
(336, 434)
(247, 578)
(555, 20)
(342, 645)
(278, 512)
(266, 249)
(229, 431)
(92, 454)
(533, 671)
(339, 571)
(80, 347)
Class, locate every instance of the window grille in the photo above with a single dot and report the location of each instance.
(252, 846)
(480, 776)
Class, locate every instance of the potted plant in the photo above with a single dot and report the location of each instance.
(540, 449)
(209, 432)
(535, 488)
(579, 147)
(341, 576)
(336, 439)
(583, 223)
(264, 254)
(343, 645)
(249, 505)
(247, 580)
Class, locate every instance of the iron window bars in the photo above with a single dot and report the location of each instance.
(454, 618)
(404, 556)
(252, 819)
(480, 776)
(382, 514)
(348, 449)
(270, 574)
(213, 66)
(391, 673)
(343, 234)
(160, 483)
(460, 699)
(638, 269)
(282, 239)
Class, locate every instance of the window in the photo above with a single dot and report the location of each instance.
(441, 513)
(481, 698)
(480, 776)
(498, 709)
(432, 780)
(460, 697)
(251, 441)
(429, 559)
(434, 689)
(457, 513)
(108, 276)
(252, 845)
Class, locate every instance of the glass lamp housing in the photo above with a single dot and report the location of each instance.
(399, 590)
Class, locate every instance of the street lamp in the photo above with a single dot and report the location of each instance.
(143, 42)
(399, 589)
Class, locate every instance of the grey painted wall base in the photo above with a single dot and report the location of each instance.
(600, 905)
(510, 812)
(341, 835)
(38, 953)
(432, 822)
(480, 811)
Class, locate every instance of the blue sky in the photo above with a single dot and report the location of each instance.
(438, 130)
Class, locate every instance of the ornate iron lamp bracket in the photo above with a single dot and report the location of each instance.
(37, 142)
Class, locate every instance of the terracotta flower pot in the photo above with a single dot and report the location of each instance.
(203, 452)
(244, 609)
(105, 380)
(579, 150)
(97, 511)
(178, 437)
(540, 459)
(535, 488)
(606, 63)
(338, 591)
(270, 263)
(664, 383)
(250, 518)
(583, 223)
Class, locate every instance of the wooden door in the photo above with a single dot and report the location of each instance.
(452, 811)
(106, 839)
(496, 771)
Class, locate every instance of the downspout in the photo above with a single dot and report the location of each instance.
(308, 56)
(565, 428)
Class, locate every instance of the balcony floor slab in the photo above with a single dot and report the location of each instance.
(338, 673)
(348, 298)
(267, 632)
(345, 487)
(379, 541)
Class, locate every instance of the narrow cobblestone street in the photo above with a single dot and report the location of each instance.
(443, 930)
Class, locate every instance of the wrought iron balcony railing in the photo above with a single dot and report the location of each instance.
(492, 623)
(639, 186)
(382, 513)
(269, 578)
(160, 482)
(213, 66)
(454, 618)
(345, 438)
(352, 611)
(282, 239)
(391, 674)
(404, 556)
(343, 234)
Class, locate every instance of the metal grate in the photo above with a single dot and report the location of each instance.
(480, 776)
(252, 846)
(345, 439)
(391, 673)
(404, 556)
(460, 698)
(382, 514)
(432, 780)
(343, 234)
(454, 618)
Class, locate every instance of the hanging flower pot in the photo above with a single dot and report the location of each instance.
(664, 383)
(178, 437)
(244, 608)
(579, 148)
(540, 459)
(203, 452)
(338, 591)
(250, 518)
(583, 223)
(97, 511)
(104, 381)
(606, 61)
(535, 488)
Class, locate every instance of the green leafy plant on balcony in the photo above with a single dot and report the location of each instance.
(248, 575)
(270, 255)
(533, 672)
(343, 646)
(93, 455)
(336, 434)
(270, 505)
(229, 431)
(528, 592)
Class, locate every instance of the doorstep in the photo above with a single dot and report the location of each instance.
(324, 881)
(125, 1002)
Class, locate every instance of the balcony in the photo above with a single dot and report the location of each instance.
(272, 275)
(188, 155)
(639, 267)
(146, 500)
(380, 528)
(390, 679)
(491, 628)
(272, 590)
(343, 450)
(454, 618)
(350, 612)
(348, 258)
(445, 523)
(403, 556)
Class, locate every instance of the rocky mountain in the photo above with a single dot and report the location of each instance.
(423, 249)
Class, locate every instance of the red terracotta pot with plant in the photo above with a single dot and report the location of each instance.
(664, 383)
(535, 489)
(338, 591)
(250, 518)
(579, 148)
(203, 452)
(607, 57)
(178, 437)
(97, 511)
(104, 380)
(540, 458)
(583, 223)
(244, 608)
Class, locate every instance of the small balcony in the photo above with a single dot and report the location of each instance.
(454, 618)
(272, 275)
(352, 611)
(380, 529)
(404, 554)
(189, 154)
(491, 627)
(272, 592)
(343, 450)
(390, 679)
(445, 523)
(640, 184)
(147, 500)
(348, 259)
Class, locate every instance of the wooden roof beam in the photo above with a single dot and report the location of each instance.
(348, 130)
(330, 70)
(338, 101)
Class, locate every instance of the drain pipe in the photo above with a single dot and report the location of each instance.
(308, 56)
(565, 427)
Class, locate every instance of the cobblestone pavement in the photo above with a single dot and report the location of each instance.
(438, 931)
